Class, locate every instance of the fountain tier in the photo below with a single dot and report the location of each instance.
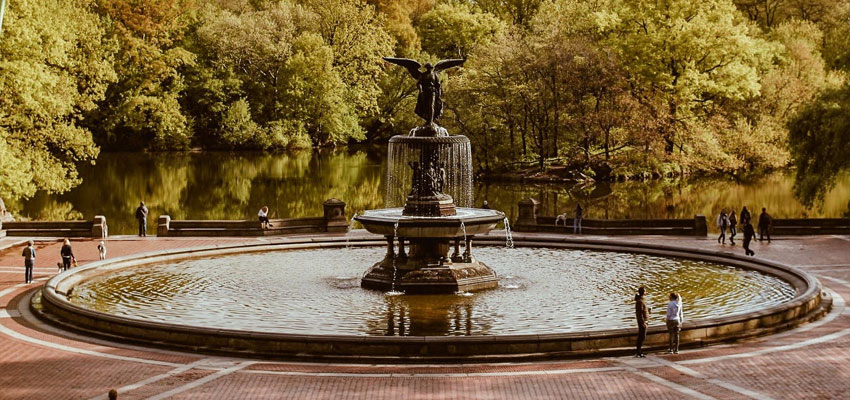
(417, 258)
(430, 223)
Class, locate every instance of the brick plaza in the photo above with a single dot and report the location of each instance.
(39, 361)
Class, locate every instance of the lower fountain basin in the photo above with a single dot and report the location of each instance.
(315, 309)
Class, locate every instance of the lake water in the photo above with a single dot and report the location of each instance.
(224, 185)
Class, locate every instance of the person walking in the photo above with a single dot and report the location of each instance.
(29, 261)
(722, 223)
(67, 255)
(765, 223)
(745, 216)
(577, 220)
(642, 314)
(674, 322)
(142, 217)
(749, 235)
(263, 216)
(733, 227)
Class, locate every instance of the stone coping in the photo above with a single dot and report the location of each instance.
(808, 304)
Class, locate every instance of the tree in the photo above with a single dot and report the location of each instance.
(402, 16)
(819, 138)
(268, 71)
(356, 35)
(453, 30)
(685, 59)
(55, 64)
(142, 110)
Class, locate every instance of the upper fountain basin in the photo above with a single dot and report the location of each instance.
(474, 220)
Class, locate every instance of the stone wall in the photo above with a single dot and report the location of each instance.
(333, 221)
(530, 221)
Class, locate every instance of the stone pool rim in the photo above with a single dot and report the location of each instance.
(809, 303)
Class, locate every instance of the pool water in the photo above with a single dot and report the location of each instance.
(541, 290)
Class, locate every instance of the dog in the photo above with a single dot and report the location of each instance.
(101, 248)
(562, 217)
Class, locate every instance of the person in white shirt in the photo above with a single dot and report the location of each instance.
(101, 249)
(674, 322)
(263, 216)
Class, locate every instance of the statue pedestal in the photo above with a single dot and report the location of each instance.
(446, 278)
(430, 206)
(428, 270)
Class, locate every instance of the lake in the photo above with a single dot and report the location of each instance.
(234, 185)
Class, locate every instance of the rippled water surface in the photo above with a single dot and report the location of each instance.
(318, 292)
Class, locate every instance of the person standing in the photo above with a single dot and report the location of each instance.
(577, 220)
(765, 223)
(745, 216)
(101, 250)
(733, 227)
(67, 255)
(142, 217)
(29, 261)
(263, 216)
(642, 314)
(722, 223)
(485, 205)
(749, 235)
(674, 322)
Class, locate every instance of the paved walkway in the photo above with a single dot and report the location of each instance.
(38, 361)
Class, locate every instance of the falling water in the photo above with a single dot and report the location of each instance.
(509, 239)
(463, 228)
(350, 228)
(455, 154)
(392, 291)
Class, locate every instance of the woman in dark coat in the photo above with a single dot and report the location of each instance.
(67, 255)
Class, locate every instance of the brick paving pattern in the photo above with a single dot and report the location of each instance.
(39, 361)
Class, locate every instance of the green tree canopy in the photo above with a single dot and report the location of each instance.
(55, 65)
(820, 144)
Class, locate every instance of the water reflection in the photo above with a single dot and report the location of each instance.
(429, 316)
(220, 185)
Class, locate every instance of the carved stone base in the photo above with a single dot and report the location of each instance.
(446, 277)
(431, 206)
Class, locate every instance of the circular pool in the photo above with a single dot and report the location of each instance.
(300, 298)
(317, 291)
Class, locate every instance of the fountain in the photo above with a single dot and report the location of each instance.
(429, 221)
(229, 297)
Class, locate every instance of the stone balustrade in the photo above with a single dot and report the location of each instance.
(530, 221)
(96, 228)
(332, 221)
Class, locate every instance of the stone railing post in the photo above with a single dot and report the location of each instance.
(527, 218)
(99, 228)
(335, 216)
(700, 225)
(162, 225)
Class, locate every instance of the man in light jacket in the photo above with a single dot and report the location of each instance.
(674, 322)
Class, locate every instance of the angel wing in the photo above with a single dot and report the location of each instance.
(446, 64)
(412, 66)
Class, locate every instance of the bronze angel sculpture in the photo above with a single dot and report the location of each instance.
(429, 105)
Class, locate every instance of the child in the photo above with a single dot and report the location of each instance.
(101, 248)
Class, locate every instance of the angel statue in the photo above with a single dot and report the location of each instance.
(429, 105)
